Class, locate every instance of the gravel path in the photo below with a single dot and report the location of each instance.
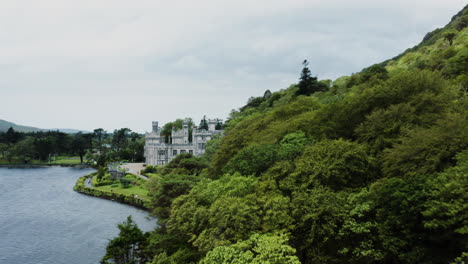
(88, 182)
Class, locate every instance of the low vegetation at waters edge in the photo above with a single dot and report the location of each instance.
(60, 160)
(130, 190)
(369, 168)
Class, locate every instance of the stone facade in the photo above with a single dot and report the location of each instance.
(157, 152)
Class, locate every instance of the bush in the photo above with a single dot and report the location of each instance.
(149, 169)
(337, 164)
(259, 248)
(253, 160)
(125, 183)
(427, 150)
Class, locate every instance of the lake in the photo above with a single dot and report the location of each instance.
(43, 221)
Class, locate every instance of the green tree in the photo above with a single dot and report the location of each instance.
(81, 142)
(12, 136)
(219, 125)
(292, 145)
(253, 160)
(463, 259)
(10, 153)
(252, 103)
(450, 36)
(203, 124)
(447, 210)
(216, 212)
(3, 149)
(383, 127)
(128, 247)
(101, 173)
(275, 208)
(319, 213)
(182, 255)
(163, 190)
(427, 150)
(340, 119)
(458, 64)
(99, 136)
(374, 72)
(44, 147)
(263, 128)
(418, 219)
(25, 150)
(337, 164)
(308, 84)
(185, 163)
(212, 146)
(258, 249)
(120, 138)
(230, 219)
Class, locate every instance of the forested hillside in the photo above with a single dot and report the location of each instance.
(369, 168)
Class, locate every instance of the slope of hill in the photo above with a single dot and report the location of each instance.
(5, 125)
(444, 50)
(372, 170)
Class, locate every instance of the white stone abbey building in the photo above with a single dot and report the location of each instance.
(157, 152)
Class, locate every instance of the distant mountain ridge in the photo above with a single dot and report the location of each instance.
(5, 125)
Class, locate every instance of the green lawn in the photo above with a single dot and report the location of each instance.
(151, 175)
(116, 187)
(133, 189)
(67, 160)
(58, 161)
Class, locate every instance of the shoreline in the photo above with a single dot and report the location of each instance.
(81, 188)
(120, 198)
(43, 165)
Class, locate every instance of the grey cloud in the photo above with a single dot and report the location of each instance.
(115, 63)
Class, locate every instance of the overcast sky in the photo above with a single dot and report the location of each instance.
(113, 63)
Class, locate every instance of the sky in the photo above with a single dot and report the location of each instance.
(116, 63)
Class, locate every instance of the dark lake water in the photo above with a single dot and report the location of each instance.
(43, 221)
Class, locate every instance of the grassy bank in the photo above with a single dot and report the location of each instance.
(134, 195)
(131, 185)
(60, 161)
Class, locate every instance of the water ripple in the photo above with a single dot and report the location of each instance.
(42, 220)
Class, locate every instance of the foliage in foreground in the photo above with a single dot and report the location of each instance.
(128, 247)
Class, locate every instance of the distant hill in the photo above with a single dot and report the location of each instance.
(69, 130)
(5, 125)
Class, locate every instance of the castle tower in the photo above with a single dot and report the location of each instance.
(155, 126)
(186, 131)
(212, 124)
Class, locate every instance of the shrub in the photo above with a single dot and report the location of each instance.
(337, 164)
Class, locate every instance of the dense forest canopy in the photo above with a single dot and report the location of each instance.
(369, 168)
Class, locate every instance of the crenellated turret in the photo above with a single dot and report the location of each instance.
(212, 124)
(155, 126)
(186, 130)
